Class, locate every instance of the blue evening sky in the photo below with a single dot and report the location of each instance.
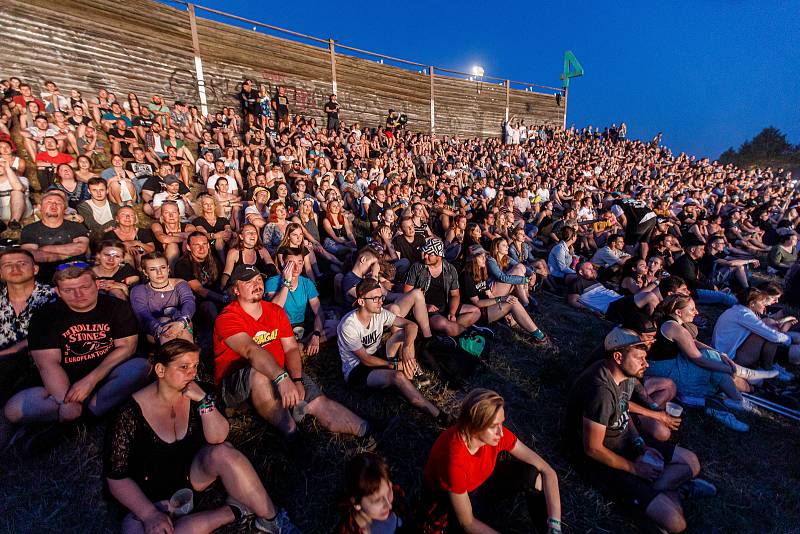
(708, 74)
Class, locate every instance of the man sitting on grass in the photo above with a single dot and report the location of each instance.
(360, 346)
(258, 360)
(607, 449)
(83, 345)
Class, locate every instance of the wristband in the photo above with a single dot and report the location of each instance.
(298, 379)
(280, 378)
(553, 526)
(638, 442)
(207, 404)
(316, 333)
(287, 284)
(497, 301)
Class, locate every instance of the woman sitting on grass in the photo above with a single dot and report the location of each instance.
(171, 436)
(369, 506)
(698, 370)
(753, 340)
(474, 287)
(464, 478)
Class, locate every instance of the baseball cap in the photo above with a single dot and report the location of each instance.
(171, 179)
(620, 338)
(54, 192)
(433, 247)
(243, 273)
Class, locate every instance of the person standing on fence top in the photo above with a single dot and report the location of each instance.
(249, 100)
(280, 104)
(332, 110)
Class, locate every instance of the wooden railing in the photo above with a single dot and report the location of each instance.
(149, 47)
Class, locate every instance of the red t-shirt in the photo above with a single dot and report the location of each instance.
(266, 331)
(452, 468)
(19, 100)
(58, 159)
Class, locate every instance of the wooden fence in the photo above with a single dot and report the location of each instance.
(147, 47)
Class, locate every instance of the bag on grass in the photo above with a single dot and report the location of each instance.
(474, 344)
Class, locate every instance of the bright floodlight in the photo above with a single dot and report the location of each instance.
(477, 70)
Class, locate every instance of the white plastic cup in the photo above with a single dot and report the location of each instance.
(673, 409)
(181, 503)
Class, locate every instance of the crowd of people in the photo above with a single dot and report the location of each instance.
(152, 233)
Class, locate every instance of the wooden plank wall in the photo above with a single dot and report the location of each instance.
(146, 47)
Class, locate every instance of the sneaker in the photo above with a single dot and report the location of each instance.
(783, 374)
(485, 331)
(421, 380)
(744, 405)
(538, 338)
(693, 402)
(280, 524)
(697, 489)
(772, 271)
(752, 375)
(728, 419)
(14, 224)
(377, 432)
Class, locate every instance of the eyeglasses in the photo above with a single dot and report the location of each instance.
(379, 298)
(76, 264)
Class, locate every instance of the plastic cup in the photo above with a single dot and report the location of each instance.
(182, 502)
(675, 410)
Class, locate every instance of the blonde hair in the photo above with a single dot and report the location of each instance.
(478, 410)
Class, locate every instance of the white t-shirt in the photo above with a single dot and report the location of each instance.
(160, 198)
(354, 336)
(212, 182)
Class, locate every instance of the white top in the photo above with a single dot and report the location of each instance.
(101, 214)
(736, 324)
(352, 336)
(212, 181)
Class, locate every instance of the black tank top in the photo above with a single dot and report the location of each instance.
(663, 348)
(268, 269)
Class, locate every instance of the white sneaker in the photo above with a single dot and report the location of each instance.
(753, 375)
(728, 419)
(783, 374)
(743, 405)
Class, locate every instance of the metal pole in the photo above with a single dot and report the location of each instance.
(508, 95)
(566, 92)
(333, 64)
(433, 111)
(198, 63)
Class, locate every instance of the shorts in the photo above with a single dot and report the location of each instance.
(444, 313)
(359, 374)
(640, 233)
(621, 486)
(235, 390)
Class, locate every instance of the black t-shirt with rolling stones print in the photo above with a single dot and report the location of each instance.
(84, 338)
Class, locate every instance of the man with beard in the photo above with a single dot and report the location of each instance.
(608, 450)
(258, 360)
(83, 345)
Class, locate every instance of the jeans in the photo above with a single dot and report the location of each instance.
(708, 296)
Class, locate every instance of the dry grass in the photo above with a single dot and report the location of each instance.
(757, 473)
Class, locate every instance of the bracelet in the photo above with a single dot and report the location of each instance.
(497, 301)
(280, 378)
(207, 404)
(298, 379)
(316, 333)
(287, 284)
(553, 522)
